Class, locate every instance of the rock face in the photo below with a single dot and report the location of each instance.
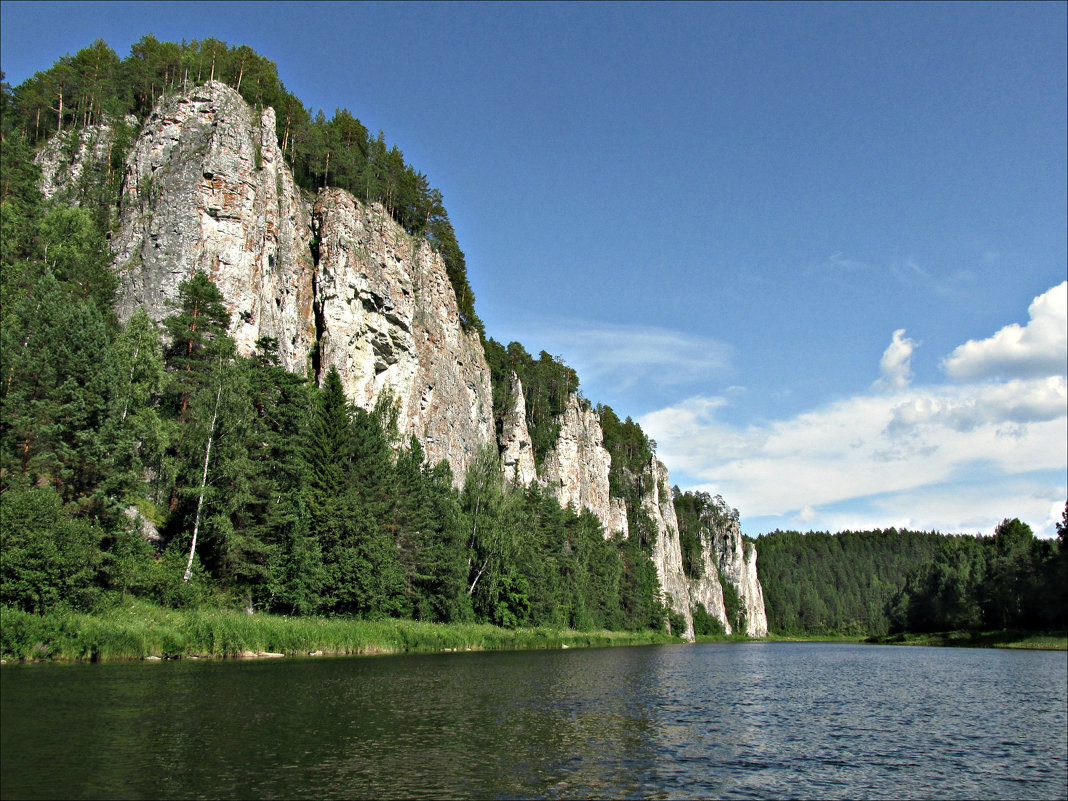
(517, 451)
(206, 190)
(667, 552)
(336, 283)
(388, 321)
(726, 559)
(576, 469)
(67, 159)
(737, 564)
(617, 517)
(707, 591)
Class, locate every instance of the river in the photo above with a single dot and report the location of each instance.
(722, 720)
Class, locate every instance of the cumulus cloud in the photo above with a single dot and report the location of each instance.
(1016, 401)
(862, 447)
(1039, 348)
(957, 456)
(895, 365)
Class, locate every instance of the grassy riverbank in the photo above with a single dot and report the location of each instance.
(1007, 638)
(139, 630)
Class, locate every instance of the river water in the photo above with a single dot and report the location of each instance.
(723, 720)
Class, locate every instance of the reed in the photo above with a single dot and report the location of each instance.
(139, 630)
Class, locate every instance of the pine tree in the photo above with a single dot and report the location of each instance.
(60, 380)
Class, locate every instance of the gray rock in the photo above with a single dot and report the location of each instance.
(576, 470)
(517, 450)
(206, 189)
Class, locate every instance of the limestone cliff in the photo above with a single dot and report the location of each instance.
(576, 469)
(576, 472)
(617, 518)
(517, 451)
(736, 560)
(726, 559)
(707, 590)
(657, 503)
(206, 190)
(335, 282)
(76, 156)
(388, 320)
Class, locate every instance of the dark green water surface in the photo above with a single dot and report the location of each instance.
(732, 720)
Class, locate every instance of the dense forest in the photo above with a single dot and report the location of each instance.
(267, 491)
(886, 581)
(153, 460)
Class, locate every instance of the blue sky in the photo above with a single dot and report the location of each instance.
(818, 251)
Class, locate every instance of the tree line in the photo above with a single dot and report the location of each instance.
(888, 581)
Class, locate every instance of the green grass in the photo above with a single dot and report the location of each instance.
(139, 630)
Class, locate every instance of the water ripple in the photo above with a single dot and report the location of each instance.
(774, 720)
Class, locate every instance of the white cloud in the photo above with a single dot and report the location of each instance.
(955, 457)
(946, 508)
(909, 272)
(1016, 401)
(618, 357)
(895, 365)
(1038, 349)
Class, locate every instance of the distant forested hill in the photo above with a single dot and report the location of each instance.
(875, 582)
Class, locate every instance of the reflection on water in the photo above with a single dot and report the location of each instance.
(725, 720)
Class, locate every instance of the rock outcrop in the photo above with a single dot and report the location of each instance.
(617, 518)
(389, 321)
(335, 282)
(68, 159)
(726, 560)
(576, 469)
(657, 503)
(206, 190)
(707, 591)
(517, 450)
(736, 560)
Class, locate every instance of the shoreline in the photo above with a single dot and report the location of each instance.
(138, 631)
(1006, 639)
